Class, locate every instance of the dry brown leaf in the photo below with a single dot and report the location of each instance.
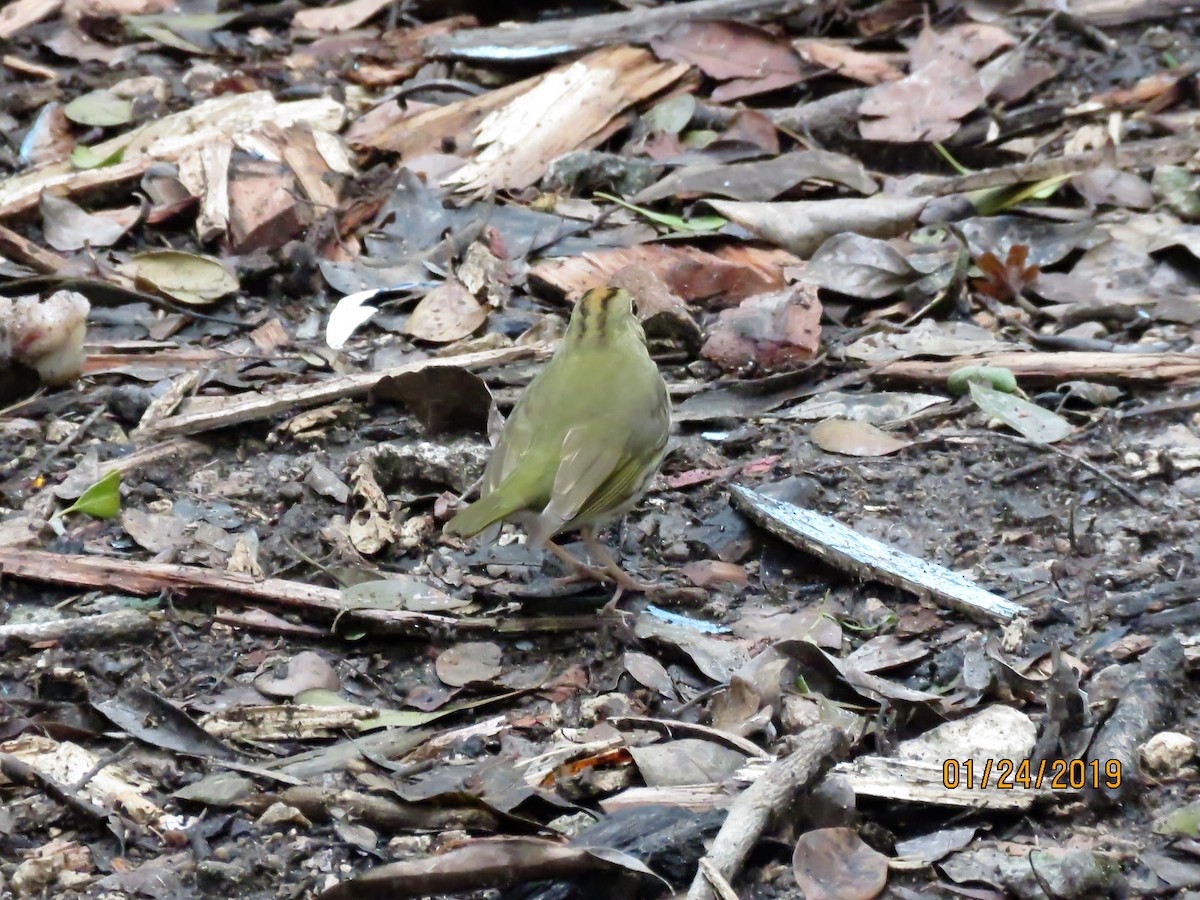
(868, 68)
(749, 59)
(835, 864)
(853, 438)
(447, 313)
(342, 17)
(924, 106)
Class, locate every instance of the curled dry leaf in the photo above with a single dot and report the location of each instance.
(835, 864)
(447, 313)
(852, 438)
(443, 398)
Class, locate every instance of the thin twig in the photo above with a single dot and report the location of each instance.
(1077, 460)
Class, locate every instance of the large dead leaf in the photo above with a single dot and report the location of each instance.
(749, 59)
(924, 106)
(835, 864)
(804, 225)
(447, 313)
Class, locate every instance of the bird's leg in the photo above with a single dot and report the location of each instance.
(581, 569)
(624, 580)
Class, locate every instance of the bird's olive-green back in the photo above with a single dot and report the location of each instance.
(590, 429)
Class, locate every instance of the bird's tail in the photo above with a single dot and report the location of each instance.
(485, 511)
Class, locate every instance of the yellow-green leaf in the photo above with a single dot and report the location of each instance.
(102, 500)
(675, 223)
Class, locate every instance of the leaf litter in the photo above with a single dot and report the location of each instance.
(929, 324)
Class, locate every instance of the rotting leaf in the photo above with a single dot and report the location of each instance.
(768, 333)
(496, 862)
(447, 313)
(686, 761)
(671, 115)
(852, 438)
(187, 277)
(873, 407)
(304, 672)
(925, 105)
(860, 267)
(100, 109)
(749, 59)
(67, 226)
(649, 672)
(835, 864)
(471, 663)
(1022, 416)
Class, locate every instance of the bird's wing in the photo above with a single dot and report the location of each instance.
(587, 461)
(593, 475)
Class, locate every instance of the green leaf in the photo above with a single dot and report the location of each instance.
(990, 201)
(676, 223)
(1024, 417)
(86, 158)
(187, 277)
(996, 377)
(954, 163)
(102, 500)
(672, 115)
(101, 109)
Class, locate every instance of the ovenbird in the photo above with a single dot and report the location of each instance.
(583, 441)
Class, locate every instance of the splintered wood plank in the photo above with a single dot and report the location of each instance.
(517, 130)
(568, 109)
(867, 558)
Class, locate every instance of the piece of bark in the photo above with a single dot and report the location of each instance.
(775, 792)
(105, 629)
(1149, 703)
(1057, 367)
(325, 604)
(223, 411)
(868, 558)
(264, 212)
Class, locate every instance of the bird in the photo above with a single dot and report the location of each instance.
(583, 441)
